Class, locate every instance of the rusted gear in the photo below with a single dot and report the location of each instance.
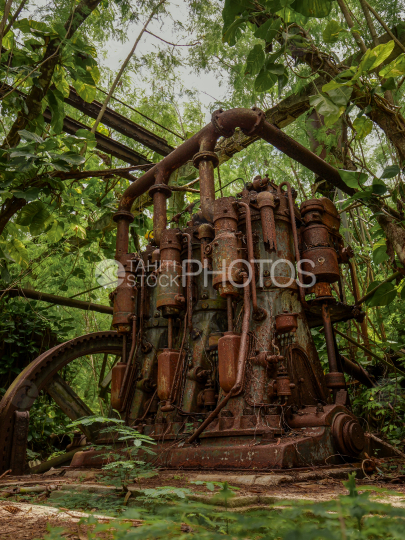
(205, 156)
(34, 378)
(348, 434)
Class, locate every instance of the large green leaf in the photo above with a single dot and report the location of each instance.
(268, 30)
(373, 58)
(34, 215)
(55, 233)
(232, 8)
(17, 251)
(69, 157)
(353, 179)
(383, 296)
(312, 8)
(56, 104)
(255, 60)
(390, 171)
(265, 80)
(30, 195)
(327, 108)
(340, 96)
(332, 31)
(380, 254)
(28, 26)
(379, 187)
(29, 136)
(396, 68)
(85, 91)
(363, 127)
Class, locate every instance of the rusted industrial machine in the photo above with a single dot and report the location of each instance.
(213, 323)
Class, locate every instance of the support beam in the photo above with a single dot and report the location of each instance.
(121, 124)
(59, 300)
(104, 144)
(71, 404)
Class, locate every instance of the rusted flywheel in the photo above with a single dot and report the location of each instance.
(16, 403)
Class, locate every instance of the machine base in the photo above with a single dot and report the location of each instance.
(313, 448)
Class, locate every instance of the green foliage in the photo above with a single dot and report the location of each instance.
(120, 457)
(332, 32)
(355, 516)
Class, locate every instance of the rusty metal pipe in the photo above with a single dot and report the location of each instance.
(238, 386)
(357, 372)
(251, 257)
(330, 345)
(170, 333)
(128, 361)
(229, 312)
(189, 282)
(159, 216)
(295, 236)
(252, 121)
(207, 189)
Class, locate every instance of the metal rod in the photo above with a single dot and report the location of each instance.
(238, 386)
(330, 346)
(295, 236)
(351, 340)
(129, 360)
(229, 313)
(170, 333)
(59, 300)
(251, 257)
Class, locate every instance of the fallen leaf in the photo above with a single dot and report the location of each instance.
(12, 509)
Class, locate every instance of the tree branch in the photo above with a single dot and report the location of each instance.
(124, 65)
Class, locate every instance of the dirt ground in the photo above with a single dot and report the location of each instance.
(27, 515)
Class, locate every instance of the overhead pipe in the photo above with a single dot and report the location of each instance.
(253, 123)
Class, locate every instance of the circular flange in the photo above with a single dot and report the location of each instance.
(123, 214)
(261, 117)
(205, 156)
(160, 188)
(348, 434)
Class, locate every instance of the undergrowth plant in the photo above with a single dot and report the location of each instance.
(122, 463)
(355, 516)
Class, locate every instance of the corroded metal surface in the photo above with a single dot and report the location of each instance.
(26, 387)
(223, 371)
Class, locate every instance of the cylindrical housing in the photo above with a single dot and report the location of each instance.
(169, 285)
(286, 322)
(267, 203)
(167, 364)
(226, 248)
(117, 377)
(125, 294)
(228, 352)
(324, 264)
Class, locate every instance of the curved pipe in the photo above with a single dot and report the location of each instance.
(252, 122)
(295, 236)
(243, 350)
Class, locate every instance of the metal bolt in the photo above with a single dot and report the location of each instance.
(157, 314)
(266, 273)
